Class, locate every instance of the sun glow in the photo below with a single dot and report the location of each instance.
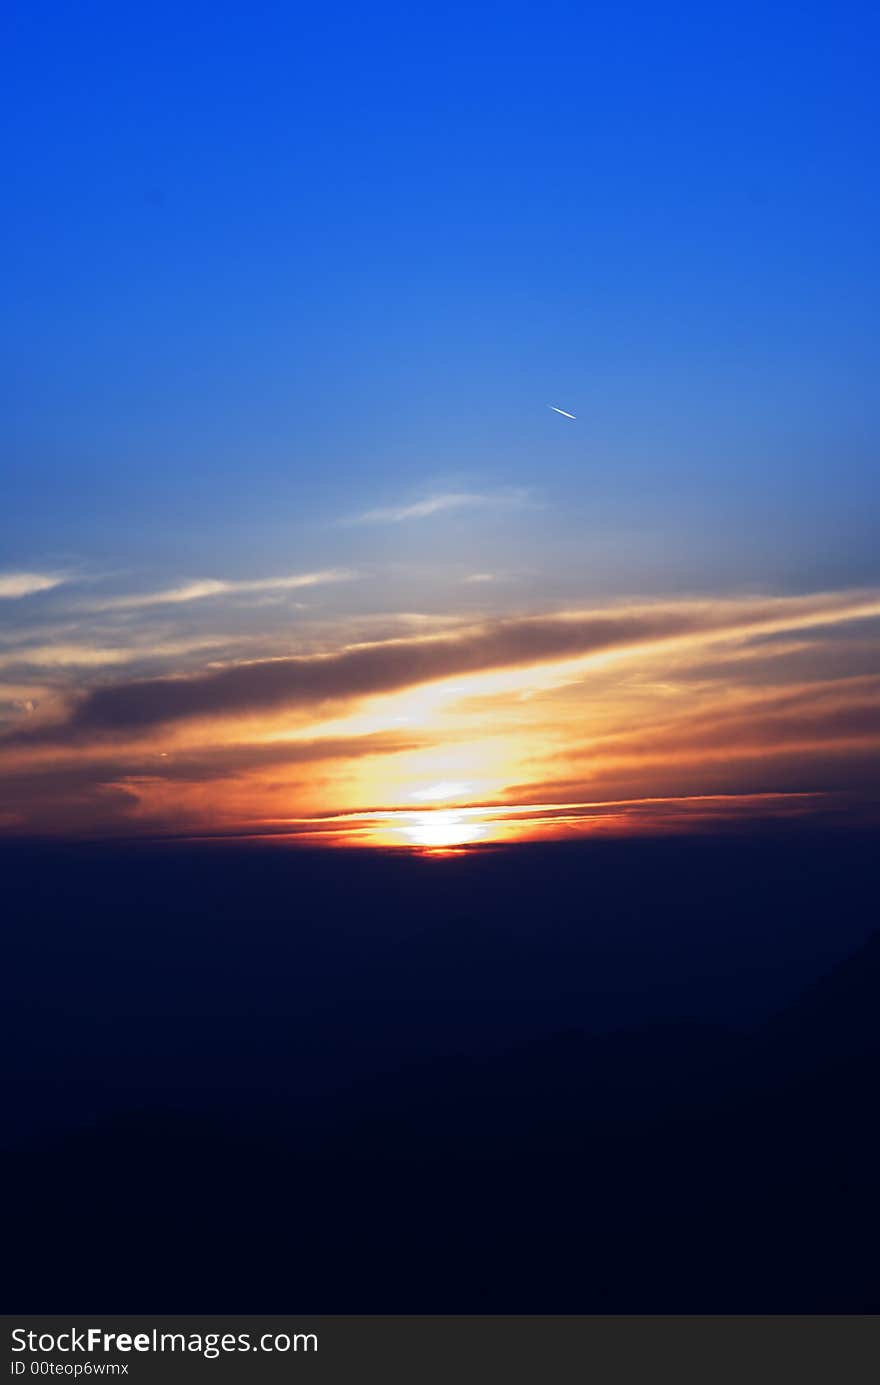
(447, 788)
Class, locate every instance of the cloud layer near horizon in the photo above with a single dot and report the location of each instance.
(370, 669)
(746, 699)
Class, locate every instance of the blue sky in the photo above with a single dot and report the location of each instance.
(269, 266)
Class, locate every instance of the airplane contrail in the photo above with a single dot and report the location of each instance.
(564, 412)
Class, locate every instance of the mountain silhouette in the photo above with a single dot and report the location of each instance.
(676, 1165)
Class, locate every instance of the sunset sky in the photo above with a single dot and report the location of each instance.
(292, 543)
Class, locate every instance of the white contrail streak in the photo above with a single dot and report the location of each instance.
(564, 413)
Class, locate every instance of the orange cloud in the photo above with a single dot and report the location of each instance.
(665, 716)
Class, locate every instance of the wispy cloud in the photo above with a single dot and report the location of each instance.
(366, 670)
(17, 584)
(200, 589)
(437, 504)
(71, 654)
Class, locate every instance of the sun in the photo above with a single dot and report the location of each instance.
(441, 829)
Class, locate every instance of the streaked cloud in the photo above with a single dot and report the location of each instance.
(203, 588)
(59, 654)
(370, 669)
(443, 828)
(437, 504)
(18, 584)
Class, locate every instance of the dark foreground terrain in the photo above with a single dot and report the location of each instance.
(620, 1076)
